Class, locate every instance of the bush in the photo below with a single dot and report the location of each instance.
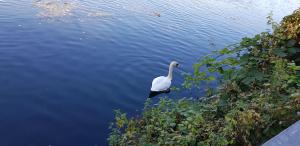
(258, 96)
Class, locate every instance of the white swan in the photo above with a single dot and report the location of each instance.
(162, 83)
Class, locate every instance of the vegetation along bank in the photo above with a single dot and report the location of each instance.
(258, 96)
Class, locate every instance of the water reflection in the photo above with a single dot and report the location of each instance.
(156, 93)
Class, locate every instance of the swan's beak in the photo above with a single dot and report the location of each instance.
(177, 65)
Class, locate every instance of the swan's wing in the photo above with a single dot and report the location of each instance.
(161, 84)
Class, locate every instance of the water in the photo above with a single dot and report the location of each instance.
(63, 72)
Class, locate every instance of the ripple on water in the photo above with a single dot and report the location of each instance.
(67, 76)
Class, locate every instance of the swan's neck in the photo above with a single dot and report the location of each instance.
(170, 75)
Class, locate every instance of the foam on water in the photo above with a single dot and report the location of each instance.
(54, 8)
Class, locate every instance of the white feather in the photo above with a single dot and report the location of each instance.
(161, 83)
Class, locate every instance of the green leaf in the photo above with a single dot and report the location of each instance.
(279, 52)
(211, 78)
(244, 59)
(291, 43)
(224, 51)
(293, 50)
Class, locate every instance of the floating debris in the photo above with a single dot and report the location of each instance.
(157, 14)
(54, 8)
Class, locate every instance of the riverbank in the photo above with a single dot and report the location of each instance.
(258, 96)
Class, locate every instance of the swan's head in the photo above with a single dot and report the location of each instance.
(174, 64)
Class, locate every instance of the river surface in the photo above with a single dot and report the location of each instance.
(66, 65)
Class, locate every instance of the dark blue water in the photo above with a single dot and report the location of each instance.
(62, 76)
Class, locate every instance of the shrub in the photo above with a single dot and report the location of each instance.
(258, 96)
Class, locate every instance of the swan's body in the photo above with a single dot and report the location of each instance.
(163, 83)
